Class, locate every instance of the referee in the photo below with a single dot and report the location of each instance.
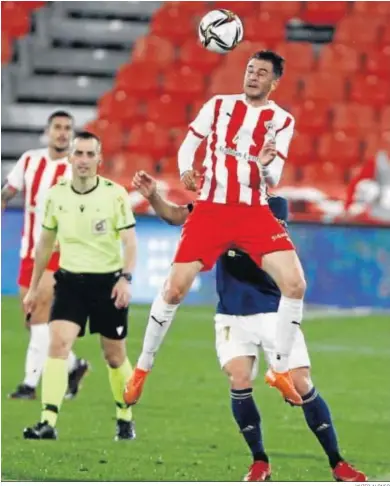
(94, 225)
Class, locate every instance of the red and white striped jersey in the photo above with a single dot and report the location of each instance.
(34, 173)
(235, 134)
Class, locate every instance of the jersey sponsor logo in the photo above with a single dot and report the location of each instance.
(99, 227)
(280, 235)
(238, 154)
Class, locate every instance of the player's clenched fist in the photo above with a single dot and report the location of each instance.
(145, 184)
(268, 152)
(189, 179)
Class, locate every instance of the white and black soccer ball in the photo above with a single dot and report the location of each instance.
(220, 31)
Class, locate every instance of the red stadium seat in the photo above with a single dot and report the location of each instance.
(301, 150)
(385, 36)
(357, 31)
(324, 86)
(264, 29)
(378, 63)
(169, 166)
(371, 8)
(324, 12)
(6, 48)
(339, 148)
(128, 163)
(118, 106)
(385, 119)
(28, 6)
(282, 10)
(110, 134)
(226, 80)
(298, 55)
(239, 57)
(138, 79)
(175, 24)
(370, 89)
(14, 19)
(194, 55)
(353, 118)
(339, 57)
(149, 139)
(375, 142)
(324, 175)
(192, 7)
(289, 88)
(183, 83)
(153, 49)
(242, 9)
(179, 135)
(311, 117)
(166, 112)
(196, 106)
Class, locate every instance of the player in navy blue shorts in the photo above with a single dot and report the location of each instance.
(245, 323)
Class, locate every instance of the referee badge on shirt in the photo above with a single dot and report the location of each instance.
(99, 226)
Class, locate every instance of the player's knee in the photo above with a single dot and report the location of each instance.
(302, 380)
(294, 287)
(173, 293)
(59, 346)
(240, 379)
(114, 358)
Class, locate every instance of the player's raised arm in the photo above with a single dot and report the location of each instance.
(199, 129)
(274, 153)
(169, 212)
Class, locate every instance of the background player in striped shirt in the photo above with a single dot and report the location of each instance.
(34, 173)
(248, 137)
(245, 324)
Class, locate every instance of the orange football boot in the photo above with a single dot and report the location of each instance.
(134, 386)
(345, 472)
(283, 382)
(258, 472)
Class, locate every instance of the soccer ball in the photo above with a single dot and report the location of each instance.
(220, 31)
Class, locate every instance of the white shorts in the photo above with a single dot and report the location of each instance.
(245, 335)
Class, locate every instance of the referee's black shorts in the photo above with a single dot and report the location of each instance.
(82, 296)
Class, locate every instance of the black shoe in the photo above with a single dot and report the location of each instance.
(23, 392)
(75, 377)
(125, 430)
(40, 431)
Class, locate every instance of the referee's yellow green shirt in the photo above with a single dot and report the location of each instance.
(88, 225)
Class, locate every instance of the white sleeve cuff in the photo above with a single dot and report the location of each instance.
(187, 152)
(273, 171)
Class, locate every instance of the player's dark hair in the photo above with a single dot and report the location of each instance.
(60, 114)
(275, 59)
(84, 135)
(87, 136)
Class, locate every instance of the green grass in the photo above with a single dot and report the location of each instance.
(185, 430)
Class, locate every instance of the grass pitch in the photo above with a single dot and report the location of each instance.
(184, 426)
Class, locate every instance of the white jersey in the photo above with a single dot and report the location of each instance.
(235, 133)
(34, 173)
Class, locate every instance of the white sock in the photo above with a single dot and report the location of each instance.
(37, 351)
(160, 319)
(289, 319)
(72, 361)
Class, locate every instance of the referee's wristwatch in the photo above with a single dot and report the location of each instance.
(127, 275)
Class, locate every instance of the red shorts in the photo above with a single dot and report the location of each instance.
(211, 229)
(27, 266)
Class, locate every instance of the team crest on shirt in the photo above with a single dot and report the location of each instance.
(271, 129)
(99, 226)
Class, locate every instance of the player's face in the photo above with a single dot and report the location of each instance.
(60, 133)
(259, 79)
(85, 157)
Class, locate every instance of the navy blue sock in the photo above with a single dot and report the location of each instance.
(248, 419)
(319, 419)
